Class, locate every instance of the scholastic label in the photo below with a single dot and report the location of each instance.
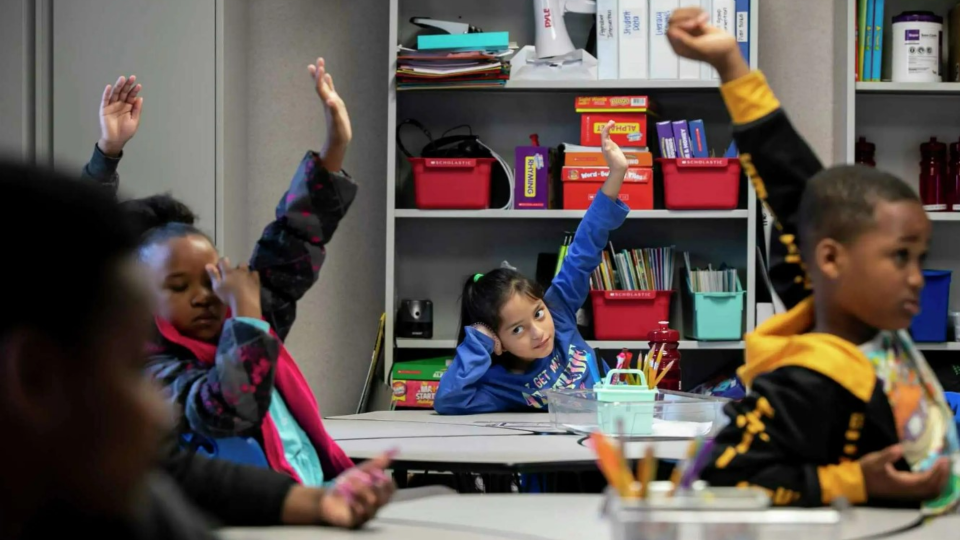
(630, 295)
(702, 162)
(530, 177)
(912, 35)
(452, 162)
(625, 128)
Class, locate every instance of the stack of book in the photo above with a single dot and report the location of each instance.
(648, 269)
(869, 43)
(632, 38)
(455, 61)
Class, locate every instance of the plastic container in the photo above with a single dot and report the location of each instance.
(931, 324)
(865, 152)
(917, 43)
(675, 415)
(953, 178)
(623, 408)
(933, 173)
(714, 513)
(663, 337)
(716, 316)
(452, 183)
(628, 315)
(701, 183)
(581, 184)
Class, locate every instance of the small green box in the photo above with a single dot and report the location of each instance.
(624, 407)
(429, 369)
(713, 316)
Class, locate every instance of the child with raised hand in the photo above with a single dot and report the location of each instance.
(516, 341)
(841, 404)
(220, 328)
(121, 108)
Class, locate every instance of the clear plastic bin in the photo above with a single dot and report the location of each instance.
(676, 415)
(707, 513)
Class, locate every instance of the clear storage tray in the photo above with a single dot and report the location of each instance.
(705, 513)
(676, 415)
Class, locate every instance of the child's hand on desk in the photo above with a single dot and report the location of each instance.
(692, 36)
(884, 481)
(339, 131)
(119, 115)
(237, 287)
(358, 495)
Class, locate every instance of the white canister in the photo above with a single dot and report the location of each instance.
(917, 42)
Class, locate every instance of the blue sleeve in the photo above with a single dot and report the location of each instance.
(571, 286)
(460, 391)
(264, 326)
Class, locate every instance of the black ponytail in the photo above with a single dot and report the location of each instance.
(484, 295)
(159, 218)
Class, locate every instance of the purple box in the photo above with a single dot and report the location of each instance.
(532, 183)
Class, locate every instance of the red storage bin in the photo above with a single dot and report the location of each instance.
(580, 186)
(628, 315)
(701, 183)
(452, 183)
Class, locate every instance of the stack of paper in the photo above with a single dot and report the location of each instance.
(431, 70)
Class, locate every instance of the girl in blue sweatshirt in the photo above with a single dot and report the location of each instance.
(517, 342)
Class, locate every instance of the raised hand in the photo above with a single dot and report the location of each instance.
(339, 130)
(692, 36)
(612, 154)
(120, 109)
(237, 287)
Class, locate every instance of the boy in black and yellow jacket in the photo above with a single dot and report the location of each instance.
(841, 404)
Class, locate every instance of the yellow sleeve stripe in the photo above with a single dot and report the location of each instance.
(843, 480)
(749, 98)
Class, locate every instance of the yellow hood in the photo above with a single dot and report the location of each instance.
(781, 341)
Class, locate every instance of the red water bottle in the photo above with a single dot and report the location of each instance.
(864, 152)
(668, 340)
(933, 161)
(953, 178)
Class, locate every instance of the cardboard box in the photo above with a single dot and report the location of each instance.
(580, 186)
(415, 383)
(630, 129)
(595, 159)
(621, 104)
(531, 168)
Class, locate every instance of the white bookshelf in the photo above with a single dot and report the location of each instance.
(897, 118)
(429, 253)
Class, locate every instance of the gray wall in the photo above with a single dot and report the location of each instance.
(337, 322)
(16, 101)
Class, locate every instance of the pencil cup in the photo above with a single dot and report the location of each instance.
(626, 405)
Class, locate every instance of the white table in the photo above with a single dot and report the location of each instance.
(518, 453)
(535, 422)
(342, 430)
(545, 517)
(944, 527)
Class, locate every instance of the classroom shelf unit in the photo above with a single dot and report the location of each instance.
(430, 253)
(897, 118)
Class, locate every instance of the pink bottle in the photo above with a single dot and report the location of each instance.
(933, 162)
(668, 340)
(864, 152)
(953, 178)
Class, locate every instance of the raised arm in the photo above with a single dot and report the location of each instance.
(775, 157)
(606, 213)
(120, 110)
(292, 249)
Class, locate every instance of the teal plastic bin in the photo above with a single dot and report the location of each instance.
(713, 316)
(624, 409)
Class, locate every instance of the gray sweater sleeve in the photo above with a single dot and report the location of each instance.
(102, 169)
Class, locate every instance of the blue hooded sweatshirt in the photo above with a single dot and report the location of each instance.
(474, 385)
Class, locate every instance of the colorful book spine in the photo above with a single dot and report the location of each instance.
(464, 42)
(698, 139)
(724, 13)
(668, 145)
(867, 73)
(608, 42)
(743, 27)
(877, 71)
(620, 104)
(681, 134)
(634, 25)
(664, 63)
(861, 35)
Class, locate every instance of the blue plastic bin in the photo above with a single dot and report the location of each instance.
(713, 316)
(931, 324)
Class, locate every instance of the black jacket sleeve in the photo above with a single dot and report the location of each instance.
(235, 495)
(782, 438)
(102, 169)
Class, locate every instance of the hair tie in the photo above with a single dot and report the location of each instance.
(476, 277)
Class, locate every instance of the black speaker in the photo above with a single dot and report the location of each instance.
(415, 319)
